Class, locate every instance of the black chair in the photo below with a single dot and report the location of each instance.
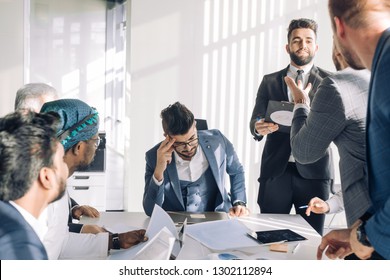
(201, 124)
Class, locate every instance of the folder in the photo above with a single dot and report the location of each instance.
(281, 113)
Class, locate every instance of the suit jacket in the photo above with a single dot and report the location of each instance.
(378, 148)
(222, 159)
(18, 240)
(277, 148)
(338, 114)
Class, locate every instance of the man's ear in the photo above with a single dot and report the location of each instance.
(76, 149)
(287, 48)
(340, 28)
(44, 177)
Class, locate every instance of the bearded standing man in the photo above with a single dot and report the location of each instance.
(283, 181)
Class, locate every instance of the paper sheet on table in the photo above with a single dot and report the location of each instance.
(222, 235)
(158, 221)
(159, 248)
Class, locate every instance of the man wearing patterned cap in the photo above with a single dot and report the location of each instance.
(78, 133)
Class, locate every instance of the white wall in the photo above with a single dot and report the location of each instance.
(11, 49)
(210, 55)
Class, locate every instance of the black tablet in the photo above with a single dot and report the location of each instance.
(274, 236)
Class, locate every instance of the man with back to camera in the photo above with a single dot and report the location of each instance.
(78, 133)
(284, 182)
(362, 28)
(337, 114)
(186, 171)
(32, 175)
(32, 96)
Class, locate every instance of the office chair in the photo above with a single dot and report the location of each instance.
(201, 124)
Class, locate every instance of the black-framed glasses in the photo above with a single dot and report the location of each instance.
(182, 145)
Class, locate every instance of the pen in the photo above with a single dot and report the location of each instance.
(295, 248)
(303, 206)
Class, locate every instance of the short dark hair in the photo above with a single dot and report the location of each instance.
(177, 119)
(27, 144)
(301, 23)
(354, 12)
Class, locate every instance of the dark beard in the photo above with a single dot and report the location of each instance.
(300, 61)
(61, 194)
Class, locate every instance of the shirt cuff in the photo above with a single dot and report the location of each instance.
(158, 183)
(301, 105)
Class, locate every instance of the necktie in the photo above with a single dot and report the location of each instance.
(299, 76)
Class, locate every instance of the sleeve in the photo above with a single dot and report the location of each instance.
(335, 203)
(153, 193)
(85, 246)
(235, 171)
(312, 132)
(260, 108)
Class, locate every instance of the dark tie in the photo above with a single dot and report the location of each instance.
(299, 76)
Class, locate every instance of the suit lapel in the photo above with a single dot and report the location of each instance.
(208, 149)
(283, 74)
(315, 80)
(174, 179)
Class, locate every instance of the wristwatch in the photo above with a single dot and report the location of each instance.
(239, 203)
(361, 235)
(115, 241)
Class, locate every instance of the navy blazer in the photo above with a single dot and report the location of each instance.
(222, 159)
(277, 148)
(378, 148)
(18, 240)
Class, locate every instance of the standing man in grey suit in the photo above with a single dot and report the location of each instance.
(186, 171)
(32, 175)
(283, 181)
(336, 114)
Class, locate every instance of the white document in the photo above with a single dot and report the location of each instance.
(158, 221)
(159, 248)
(222, 235)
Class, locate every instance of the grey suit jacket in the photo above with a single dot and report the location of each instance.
(338, 114)
(222, 160)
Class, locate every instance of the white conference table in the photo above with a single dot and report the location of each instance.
(192, 249)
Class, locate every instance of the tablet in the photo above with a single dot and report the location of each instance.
(274, 236)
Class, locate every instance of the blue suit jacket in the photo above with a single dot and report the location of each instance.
(18, 240)
(378, 148)
(222, 159)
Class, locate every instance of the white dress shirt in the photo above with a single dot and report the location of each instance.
(189, 170)
(37, 225)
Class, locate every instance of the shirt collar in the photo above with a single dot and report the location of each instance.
(39, 227)
(306, 69)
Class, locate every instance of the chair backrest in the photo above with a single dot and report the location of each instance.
(201, 124)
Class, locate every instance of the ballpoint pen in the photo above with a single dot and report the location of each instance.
(295, 248)
(303, 206)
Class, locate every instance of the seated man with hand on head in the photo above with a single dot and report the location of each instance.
(31, 97)
(78, 133)
(32, 175)
(186, 171)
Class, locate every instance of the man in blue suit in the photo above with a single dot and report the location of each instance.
(32, 175)
(362, 28)
(186, 171)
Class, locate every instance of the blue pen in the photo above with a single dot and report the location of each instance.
(303, 206)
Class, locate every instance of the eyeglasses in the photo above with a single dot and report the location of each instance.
(96, 140)
(182, 145)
